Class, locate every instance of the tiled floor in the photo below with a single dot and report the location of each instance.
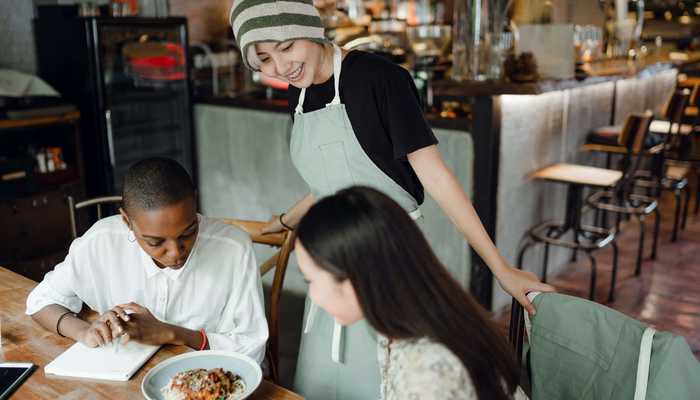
(666, 295)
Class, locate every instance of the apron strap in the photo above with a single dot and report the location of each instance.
(337, 343)
(640, 392)
(300, 105)
(337, 64)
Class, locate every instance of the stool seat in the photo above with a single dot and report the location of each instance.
(677, 172)
(579, 174)
(661, 127)
(691, 112)
(611, 130)
(617, 149)
(658, 126)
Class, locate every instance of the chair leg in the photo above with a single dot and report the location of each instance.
(685, 208)
(657, 226)
(521, 254)
(574, 252)
(611, 295)
(545, 262)
(640, 250)
(677, 215)
(697, 193)
(591, 291)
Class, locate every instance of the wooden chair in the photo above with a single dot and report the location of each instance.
(285, 242)
(97, 202)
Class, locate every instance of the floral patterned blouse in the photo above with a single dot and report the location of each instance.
(423, 370)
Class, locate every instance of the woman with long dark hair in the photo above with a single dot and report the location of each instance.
(364, 258)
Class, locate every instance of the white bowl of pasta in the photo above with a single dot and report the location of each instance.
(211, 374)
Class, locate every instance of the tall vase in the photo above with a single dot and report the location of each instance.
(477, 28)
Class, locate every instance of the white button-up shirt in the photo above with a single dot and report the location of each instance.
(218, 289)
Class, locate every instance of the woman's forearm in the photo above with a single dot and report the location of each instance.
(294, 214)
(71, 327)
(443, 186)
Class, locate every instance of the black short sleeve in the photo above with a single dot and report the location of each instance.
(402, 113)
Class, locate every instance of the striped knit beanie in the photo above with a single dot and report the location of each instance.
(255, 21)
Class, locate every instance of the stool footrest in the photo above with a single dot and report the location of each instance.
(607, 201)
(601, 236)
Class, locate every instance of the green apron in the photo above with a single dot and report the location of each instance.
(337, 363)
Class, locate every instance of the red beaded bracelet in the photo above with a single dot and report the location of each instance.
(204, 340)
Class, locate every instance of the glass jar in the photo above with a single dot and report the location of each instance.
(477, 30)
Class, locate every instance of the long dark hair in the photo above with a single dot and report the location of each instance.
(404, 291)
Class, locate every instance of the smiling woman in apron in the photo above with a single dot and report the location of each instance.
(357, 121)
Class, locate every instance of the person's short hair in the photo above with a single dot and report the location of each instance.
(155, 183)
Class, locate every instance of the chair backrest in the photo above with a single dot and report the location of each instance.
(285, 242)
(633, 136)
(694, 94)
(97, 202)
(672, 146)
(675, 107)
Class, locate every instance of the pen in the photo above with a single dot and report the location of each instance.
(117, 342)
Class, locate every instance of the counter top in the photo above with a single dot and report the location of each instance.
(259, 102)
(598, 72)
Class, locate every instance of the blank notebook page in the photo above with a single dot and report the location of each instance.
(108, 363)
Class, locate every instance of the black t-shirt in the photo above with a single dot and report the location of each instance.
(384, 110)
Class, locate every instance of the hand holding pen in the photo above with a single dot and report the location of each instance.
(106, 328)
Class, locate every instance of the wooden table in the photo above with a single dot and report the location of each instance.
(23, 340)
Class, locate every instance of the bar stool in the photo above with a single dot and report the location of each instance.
(585, 238)
(692, 117)
(670, 169)
(576, 177)
(621, 199)
(606, 139)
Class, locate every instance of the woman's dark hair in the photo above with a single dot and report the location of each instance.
(405, 292)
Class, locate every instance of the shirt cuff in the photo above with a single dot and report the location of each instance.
(256, 351)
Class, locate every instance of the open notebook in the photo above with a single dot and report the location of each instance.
(108, 363)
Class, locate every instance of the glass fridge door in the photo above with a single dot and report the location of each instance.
(146, 102)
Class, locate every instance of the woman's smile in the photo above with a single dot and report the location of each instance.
(296, 75)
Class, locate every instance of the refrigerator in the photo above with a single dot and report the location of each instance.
(129, 77)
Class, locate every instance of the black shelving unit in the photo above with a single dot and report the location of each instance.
(33, 206)
(130, 78)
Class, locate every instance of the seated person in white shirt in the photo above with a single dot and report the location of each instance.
(159, 273)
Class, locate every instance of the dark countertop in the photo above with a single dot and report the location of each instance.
(475, 88)
(598, 72)
(606, 71)
(259, 102)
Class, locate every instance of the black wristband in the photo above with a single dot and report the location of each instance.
(58, 321)
(287, 227)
